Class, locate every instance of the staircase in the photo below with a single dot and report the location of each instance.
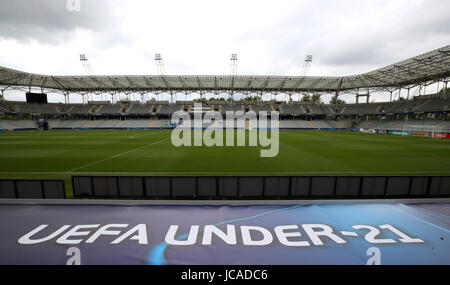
(313, 125)
(423, 104)
(94, 109)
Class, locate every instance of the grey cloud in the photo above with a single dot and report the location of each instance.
(359, 46)
(49, 21)
(422, 29)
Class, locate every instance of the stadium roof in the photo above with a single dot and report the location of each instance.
(428, 67)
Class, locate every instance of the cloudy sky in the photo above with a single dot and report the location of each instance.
(198, 36)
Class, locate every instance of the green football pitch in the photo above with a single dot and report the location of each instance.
(60, 154)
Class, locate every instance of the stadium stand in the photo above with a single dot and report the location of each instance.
(340, 124)
(424, 113)
(321, 124)
(109, 109)
(292, 109)
(66, 124)
(409, 125)
(233, 108)
(18, 124)
(80, 109)
(141, 109)
(434, 105)
(3, 109)
(106, 124)
(296, 124)
(9, 107)
(398, 107)
(329, 110)
(361, 109)
(260, 107)
(37, 109)
(314, 109)
(138, 124)
(168, 109)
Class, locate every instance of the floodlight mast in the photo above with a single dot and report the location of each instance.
(233, 64)
(159, 64)
(306, 65)
(87, 67)
(233, 71)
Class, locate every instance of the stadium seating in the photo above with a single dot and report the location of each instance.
(108, 109)
(168, 109)
(360, 109)
(79, 109)
(340, 124)
(409, 125)
(17, 124)
(434, 105)
(138, 124)
(296, 124)
(260, 107)
(140, 109)
(69, 124)
(292, 109)
(428, 125)
(314, 109)
(3, 109)
(231, 108)
(434, 113)
(321, 124)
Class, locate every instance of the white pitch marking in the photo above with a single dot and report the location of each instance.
(114, 156)
(352, 234)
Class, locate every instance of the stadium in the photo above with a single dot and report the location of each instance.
(348, 181)
(146, 126)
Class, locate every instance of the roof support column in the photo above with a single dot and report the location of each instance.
(2, 98)
(66, 98)
(407, 98)
(446, 88)
(390, 98)
(362, 95)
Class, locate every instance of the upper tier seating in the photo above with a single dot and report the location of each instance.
(411, 106)
(138, 109)
(168, 109)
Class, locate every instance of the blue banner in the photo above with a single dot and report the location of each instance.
(253, 235)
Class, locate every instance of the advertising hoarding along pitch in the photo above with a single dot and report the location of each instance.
(378, 233)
